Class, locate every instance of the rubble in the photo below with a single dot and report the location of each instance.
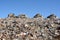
(22, 28)
(22, 16)
(11, 15)
(51, 16)
(37, 15)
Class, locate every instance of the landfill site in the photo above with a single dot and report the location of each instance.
(22, 27)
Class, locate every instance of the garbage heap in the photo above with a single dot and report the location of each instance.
(23, 28)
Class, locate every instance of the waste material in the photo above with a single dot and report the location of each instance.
(23, 28)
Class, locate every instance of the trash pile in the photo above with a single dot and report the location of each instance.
(23, 28)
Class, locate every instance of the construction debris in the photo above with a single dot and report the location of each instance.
(23, 28)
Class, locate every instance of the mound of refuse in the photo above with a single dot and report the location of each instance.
(23, 28)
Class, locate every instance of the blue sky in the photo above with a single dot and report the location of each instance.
(29, 7)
